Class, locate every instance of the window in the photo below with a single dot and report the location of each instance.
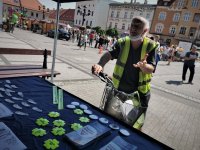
(162, 16)
(186, 16)
(176, 17)
(172, 30)
(192, 31)
(182, 30)
(125, 15)
(131, 16)
(148, 16)
(112, 14)
(92, 13)
(180, 3)
(79, 22)
(37, 15)
(123, 26)
(159, 28)
(116, 25)
(118, 14)
(87, 23)
(32, 14)
(195, 3)
(129, 27)
(196, 17)
(110, 25)
(77, 12)
(76, 21)
(90, 23)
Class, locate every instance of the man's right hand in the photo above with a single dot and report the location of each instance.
(96, 69)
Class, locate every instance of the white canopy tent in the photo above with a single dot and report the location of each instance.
(56, 34)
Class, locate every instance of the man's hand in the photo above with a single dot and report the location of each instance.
(142, 64)
(96, 69)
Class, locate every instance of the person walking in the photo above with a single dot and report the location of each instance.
(135, 64)
(189, 62)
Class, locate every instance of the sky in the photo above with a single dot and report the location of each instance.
(51, 4)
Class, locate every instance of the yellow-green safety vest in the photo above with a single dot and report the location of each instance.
(144, 79)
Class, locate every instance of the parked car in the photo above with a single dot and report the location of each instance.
(62, 34)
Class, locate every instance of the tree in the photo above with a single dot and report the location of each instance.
(112, 32)
(97, 29)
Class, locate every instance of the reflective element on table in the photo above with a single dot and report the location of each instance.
(75, 103)
(89, 112)
(124, 132)
(25, 104)
(21, 113)
(103, 120)
(8, 93)
(9, 101)
(37, 109)
(71, 106)
(82, 106)
(31, 101)
(8, 81)
(20, 94)
(9, 90)
(1, 95)
(2, 89)
(17, 98)
(17, 106)
(14, 86)
(114, 126)
(8, 86)
(94, 117)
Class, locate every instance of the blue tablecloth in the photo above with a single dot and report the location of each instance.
(40, 91)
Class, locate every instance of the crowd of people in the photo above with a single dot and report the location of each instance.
(89, 38)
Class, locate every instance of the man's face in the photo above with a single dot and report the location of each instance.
(137, 27)
(194, 49)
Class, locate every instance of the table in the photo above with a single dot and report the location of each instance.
(40, 91)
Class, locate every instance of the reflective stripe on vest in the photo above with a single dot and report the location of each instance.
(144, 79)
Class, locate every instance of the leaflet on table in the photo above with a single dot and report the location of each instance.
(4, 111)
(88, 134)
(119, 144)
(8, 140)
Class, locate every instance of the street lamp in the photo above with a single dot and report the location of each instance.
(82, 11)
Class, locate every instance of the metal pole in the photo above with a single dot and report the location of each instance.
(55, 41)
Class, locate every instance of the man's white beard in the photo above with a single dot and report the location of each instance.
(136, 38)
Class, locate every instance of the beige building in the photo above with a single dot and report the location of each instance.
(177, 20)
(121, 14)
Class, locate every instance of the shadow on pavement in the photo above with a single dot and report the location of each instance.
(174, 82)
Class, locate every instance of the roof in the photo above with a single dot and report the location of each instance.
(65, 14)
(68, 15)
(29, 4)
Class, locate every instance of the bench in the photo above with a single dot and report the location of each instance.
(26, 70)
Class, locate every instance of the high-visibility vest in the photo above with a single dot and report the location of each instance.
(144, 79)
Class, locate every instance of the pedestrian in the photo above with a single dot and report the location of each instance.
(85, 40)
(135, 64)
(189, 62)
(171, 54)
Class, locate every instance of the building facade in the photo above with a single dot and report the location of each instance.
(32, 9)
(177, 20)
(92, 13)
(121, 14)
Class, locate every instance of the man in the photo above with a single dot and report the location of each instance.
(189, 62)
(135, 63)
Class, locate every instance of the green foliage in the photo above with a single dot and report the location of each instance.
(112, 32)
(88, 27)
